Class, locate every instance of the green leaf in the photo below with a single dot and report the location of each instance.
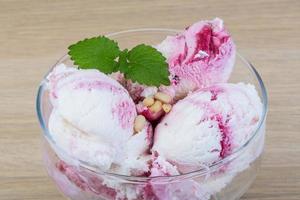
(96, 53)
(147, 66)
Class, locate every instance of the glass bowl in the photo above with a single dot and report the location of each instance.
(227, 179)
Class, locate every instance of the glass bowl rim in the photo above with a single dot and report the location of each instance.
(133, 179)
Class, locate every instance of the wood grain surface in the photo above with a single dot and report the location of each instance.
(35, 33)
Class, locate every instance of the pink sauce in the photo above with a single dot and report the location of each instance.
(225, 130)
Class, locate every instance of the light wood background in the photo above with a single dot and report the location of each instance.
(35, 33)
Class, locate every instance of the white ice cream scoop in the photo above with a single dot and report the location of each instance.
(202, 55)
(92, 110)
(208, 125)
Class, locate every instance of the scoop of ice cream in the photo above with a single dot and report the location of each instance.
(208, 125)
(93, 103)
(200, 56)
(92, 117)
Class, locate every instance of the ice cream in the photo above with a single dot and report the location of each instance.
(214, 122)
(146, 142)
(86, 97)
(92, 119)
(202, 55)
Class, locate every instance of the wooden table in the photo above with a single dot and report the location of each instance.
(35, 33)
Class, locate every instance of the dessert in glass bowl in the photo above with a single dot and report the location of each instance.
(180, 118)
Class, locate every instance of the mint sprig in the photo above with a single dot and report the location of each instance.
(143, 63)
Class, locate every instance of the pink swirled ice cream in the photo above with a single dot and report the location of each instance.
(200, 56)
(92, 117)
(215, 121)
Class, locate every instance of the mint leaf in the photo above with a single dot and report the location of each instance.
(96, 53)
(148, 66)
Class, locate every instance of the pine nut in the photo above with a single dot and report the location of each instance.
(156, 107)
(167, 107)
(139, 123)
(163, 97)
(148, 101)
